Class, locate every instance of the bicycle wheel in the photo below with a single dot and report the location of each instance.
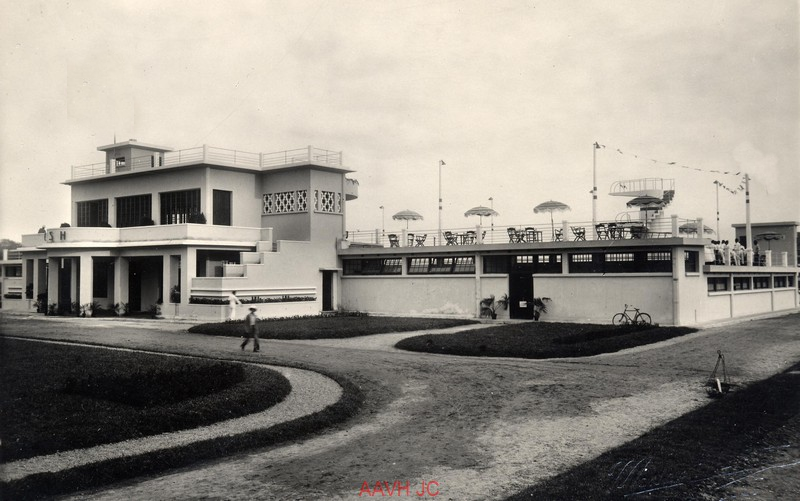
(619, 319)
(643, 319)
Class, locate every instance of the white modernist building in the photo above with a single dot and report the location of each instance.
(179, 231)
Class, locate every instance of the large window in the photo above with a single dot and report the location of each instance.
(134, 211)
(761, 282)
(741, 283)
(13, 270)
(691, 261)
(222, 207)
(180, 207)
(716, 284)
(93, 213)
(440, 265)
(380, 266)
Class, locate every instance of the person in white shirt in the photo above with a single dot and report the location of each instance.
(232, 302)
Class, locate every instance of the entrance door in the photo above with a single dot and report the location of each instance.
(520, 294)
(327, 291)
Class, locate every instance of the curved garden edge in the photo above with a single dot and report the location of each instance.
(126, 465)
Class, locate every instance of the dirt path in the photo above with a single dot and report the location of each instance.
(479, 428)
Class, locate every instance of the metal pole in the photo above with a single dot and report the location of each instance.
(383, 221)
(717, 183)
(748, 230)
(595, 147)
(491, 201)
(441, 162)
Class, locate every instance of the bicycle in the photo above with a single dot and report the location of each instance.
(639, 318)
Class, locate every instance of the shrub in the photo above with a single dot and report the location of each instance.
(251, 300)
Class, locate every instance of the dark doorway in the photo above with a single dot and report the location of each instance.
(65, 284)
(144, 282)
(520, 295)
(327, 290)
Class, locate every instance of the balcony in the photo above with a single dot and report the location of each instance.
(210, 155)
(168, 234)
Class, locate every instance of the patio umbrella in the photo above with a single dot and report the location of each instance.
(481, 211)
(647, 203)
(551, 206)
(692, 228)
(407, 215)
(769, 237)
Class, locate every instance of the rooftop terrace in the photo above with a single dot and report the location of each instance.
(210, 155)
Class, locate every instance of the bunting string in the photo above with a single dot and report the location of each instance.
(733, 190)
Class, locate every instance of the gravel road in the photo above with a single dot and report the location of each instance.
(469, 428)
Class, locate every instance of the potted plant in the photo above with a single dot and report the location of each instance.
(539, 307)
(490, 305)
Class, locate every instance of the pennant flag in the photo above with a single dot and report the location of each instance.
(441, 162)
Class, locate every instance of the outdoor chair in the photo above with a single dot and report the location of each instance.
(558, 235)
(410, 240)
(393, 240)
(614, 232)
(602, 232)
(531, 235)
(469, 237)
(638, 232)
(579, 232)
(512, 235)
(421, 239)
(450, 238)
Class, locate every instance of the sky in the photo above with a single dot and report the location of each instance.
(511, 95)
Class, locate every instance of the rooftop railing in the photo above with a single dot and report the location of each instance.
(214, 156)
(525, 233)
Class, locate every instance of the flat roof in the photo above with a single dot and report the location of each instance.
(133, 143)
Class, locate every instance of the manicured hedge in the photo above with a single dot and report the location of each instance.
(541, 340)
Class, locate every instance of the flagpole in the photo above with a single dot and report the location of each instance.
(441, 162)
(595, 146)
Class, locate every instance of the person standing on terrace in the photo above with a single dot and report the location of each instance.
(232, 302)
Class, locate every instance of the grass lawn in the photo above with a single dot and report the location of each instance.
(328, 327)
(61, 397)
(699, 454)
(541, 340)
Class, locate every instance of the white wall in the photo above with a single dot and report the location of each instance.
(451, 295)
(596, 298)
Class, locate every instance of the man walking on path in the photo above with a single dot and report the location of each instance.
(250, 325)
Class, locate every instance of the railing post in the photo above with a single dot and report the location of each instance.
(378, 236)
(700, 227)
(767, 258)
(674, 218)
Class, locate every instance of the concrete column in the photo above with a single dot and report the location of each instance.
(52, 279)
(34, 277)
(768, 257)
(166, 278)
(188, 268)
(674, 220)
(404, 238)
(700, 227)
(86, 285)
(121, 276)
(74, 278)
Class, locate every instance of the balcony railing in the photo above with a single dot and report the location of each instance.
(214, 156)
(524, 233)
